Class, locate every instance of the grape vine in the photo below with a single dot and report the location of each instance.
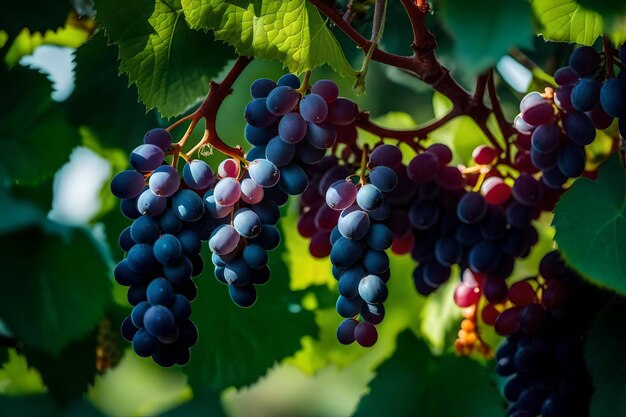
(359, 202)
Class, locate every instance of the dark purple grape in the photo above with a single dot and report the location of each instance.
(345, 331)
(565, 76)
(127, 184)
(613, 97)
(584, 61)
(257, 113)
(327, 89)
(282, 100)
(342, 111)
(158, 137)
(579, 128)
(313, 108)
(586, 94)
(262, 87)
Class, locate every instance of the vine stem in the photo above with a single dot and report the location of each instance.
(608, 55)
(406, 136)
(364, 153)
(208, 110)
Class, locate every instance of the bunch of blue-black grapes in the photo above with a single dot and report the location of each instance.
(560, 124)
(359, 241)
(163, 248)
(543, 354)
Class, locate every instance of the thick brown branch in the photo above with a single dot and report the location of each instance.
(410, 137)
(505, 126)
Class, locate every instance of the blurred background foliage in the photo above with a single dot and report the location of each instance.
(67, 122)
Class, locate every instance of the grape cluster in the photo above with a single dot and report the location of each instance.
(593, 88)
(359, 241)
(543, 353)
(483, 230)
(163, 248)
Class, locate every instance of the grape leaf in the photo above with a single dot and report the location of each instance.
(484, 30)
(68, 375)
(65, 290)
(43, 405)
(613, 13)
(171, 64)
(237, 345)
(116, 117)
(566, 21)
(417, 380)
(35, 134)
(205, 405)
(38, 16)
(605, 362)
(590, 222)
(291, 31)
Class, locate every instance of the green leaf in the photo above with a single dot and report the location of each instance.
(613, 13)
(605, 361)
(566, 21)
(116, 118)
(291, 31)
(205, 405)
(236, 345)
(171, 64)
(484, 30)
(68, 375)
(590, 222)
(412, 379)
(35, 135)
(38, 16)
(60, 297)
(43, 405)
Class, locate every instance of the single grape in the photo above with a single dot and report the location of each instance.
(125, 240)
(613, 97)
(579, 128)
(244, 296)
(169, 222)
(197, 174)
(227, 191)
(144, 344)
(159, 322)
(292, 128)
(145, 230)
(565, 76)
(263, 172)
(149, 204)
(160, 291)
(136, 315)
(345, 331)
(251, 192)
(346, 252)
(268, 239)
(237, 272)
(313, 108)
(484, 155)
(224, 240)
(348, 307)
(423, 214)
(127, 184)
(146, 158)
(585, 94)
(369, 197)
(128, 329)
(158, 137)
(522, 293)
(379, 237)
(465, 296)
(386, 155)
(527, 190)
(423, 167)
(571, 160)
(293, 179)
(308, 154)
(349, 281)
(373, 313)
(180, 308)
(327, 89)
(140, 258)
(259, 136)
(546, 138)
(262, 87)
(267, 210)
(289, 80)
(247, 223)
(281, 101)
(383, 178)
(365, 334)
(376, 262)
(354, 223)
(216, 210)
(472, 208)
(584, 60)
(320, 245)
(342, 111)
(257, 113)
(189, 241)
(255, 256)
(164, 181)
(167, 250)
(322, 135)
(279, 152)
(187, 205)
(228, 168)
(484, 257)
(496, 191)
(341, 194)
(180, 272)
